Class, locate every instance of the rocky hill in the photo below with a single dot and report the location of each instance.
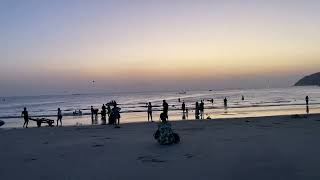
(311, 80)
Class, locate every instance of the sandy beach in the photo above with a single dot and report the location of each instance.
(278, 147)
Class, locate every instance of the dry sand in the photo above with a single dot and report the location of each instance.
(281, 147)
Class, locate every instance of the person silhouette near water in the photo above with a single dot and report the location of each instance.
(183, 107)
(108, 110)
(197, 111)
(165, 108)
(150, 112)
(242, 98)
(201, 108)
(25, 115)
(307, 104)
(225, 101)
(59, 117)
(103, 114)
(115, 111)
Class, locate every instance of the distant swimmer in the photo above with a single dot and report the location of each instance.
(59, 117)
(150, 112)
(25, 115)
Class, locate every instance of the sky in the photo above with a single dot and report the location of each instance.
(61, 46)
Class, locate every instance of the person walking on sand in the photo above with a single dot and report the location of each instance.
(183, 107)
(59, 117)
(150, 112)
(25, 117)
(165, 108)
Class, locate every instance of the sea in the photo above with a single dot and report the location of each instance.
(257, 102)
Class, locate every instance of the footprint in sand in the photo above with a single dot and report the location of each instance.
(97, 145)
(188, 156)
(30, 159)
(150, 159)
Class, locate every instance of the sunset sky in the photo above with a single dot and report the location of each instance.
(60, 46)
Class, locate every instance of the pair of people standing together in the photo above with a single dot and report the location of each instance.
(165, 110)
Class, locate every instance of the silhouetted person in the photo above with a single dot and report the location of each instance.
(201, 108)
(307, 104)
(59, 117)
(225, 101)
(179, 100)
(183, 107)
(108, 110)
(242, 98)
(92, 113)
(150, 112)
(103, 114)
(163, 118)
(25, 115)
(211, 100)
(165, 108)
(197, 111)
(115, 114)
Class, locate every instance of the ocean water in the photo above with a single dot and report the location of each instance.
(258, 102)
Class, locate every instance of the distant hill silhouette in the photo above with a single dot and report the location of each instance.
(311, 80)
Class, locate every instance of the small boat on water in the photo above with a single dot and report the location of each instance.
(182, 92)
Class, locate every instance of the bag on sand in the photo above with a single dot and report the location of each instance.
(165, 136)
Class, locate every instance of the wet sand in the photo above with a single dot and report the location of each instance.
(277, 147)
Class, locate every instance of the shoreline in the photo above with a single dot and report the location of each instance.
(302, 115)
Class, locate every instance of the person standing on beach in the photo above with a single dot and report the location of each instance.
(92, 113)
(307, 104)
(197, 111)
(242, 98)
(150, 112)
(59, 117)
(201, 108)
(103, 112)
(108, 110)
(165, 108)
(225, 101)
(25, 115)
(183, 107)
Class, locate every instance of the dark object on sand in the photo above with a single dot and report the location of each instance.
(43, 120)
(165, 136)
(2, 123)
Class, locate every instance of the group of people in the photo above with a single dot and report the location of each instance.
(113, 114)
